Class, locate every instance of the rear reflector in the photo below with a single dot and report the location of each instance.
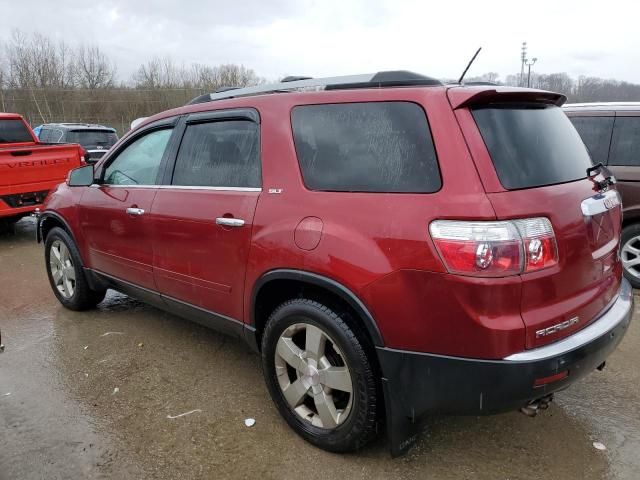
(550, 379)
(495, 249)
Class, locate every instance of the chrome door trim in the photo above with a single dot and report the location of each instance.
(180, 187)
(215, 189)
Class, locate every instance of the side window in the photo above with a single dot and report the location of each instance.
(45, 135)
(138, 162)
(625, 143)
(596, 135)
(219, 154)
(366, 147)
(56, 136)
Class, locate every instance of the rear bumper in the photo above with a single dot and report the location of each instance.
(416, 384)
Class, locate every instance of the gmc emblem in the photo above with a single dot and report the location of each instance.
(611, 202)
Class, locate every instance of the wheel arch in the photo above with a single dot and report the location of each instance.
(630, 217)
(48, 221)
(277, 286)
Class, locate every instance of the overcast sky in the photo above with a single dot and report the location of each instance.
(334, 37)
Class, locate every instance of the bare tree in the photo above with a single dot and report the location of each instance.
(491, 77)
(93, 69)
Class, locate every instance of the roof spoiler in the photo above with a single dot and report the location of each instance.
(474, 97)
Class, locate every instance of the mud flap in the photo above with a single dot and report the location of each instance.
(402, 431)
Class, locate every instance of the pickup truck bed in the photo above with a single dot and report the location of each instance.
(29, 169)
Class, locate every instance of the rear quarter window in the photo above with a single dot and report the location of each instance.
(14, 131)
(596, 135)
(366, 147)
(532, 145)
(625, 144)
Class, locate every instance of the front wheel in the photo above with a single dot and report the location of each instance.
(65, 272)
(630, 253)
(319, 376)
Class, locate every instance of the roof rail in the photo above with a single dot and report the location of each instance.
(480, 83)
(294, 78)
(399, 78)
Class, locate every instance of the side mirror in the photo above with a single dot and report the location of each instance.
(81, 176)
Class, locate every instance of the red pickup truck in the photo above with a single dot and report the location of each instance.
(29, 169)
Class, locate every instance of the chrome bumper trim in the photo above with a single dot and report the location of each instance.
(620, 311)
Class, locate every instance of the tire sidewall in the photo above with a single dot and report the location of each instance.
(298, 312)
(62, 236)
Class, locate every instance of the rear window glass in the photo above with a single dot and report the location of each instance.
(366, 147)
(14, 131)
(532, 145)
(92, 138)
(596, 135)
(625, 144)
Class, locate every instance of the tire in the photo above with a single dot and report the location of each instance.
(350, 418)
(63, 262)
(7, 224)
(630, 251)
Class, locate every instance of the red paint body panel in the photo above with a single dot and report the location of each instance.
(449, 314)
(588, 274)
(194, 259)
(28, 167)
(118, 244)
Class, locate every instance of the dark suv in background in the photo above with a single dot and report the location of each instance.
(611, 132)
(95, 139)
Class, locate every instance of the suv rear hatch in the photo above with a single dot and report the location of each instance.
(95, 141)
(533, 163)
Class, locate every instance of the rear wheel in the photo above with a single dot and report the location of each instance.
(630, 253)
(65, 272)
(319, 376)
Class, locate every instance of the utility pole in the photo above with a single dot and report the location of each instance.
(530, 64)
(523, 60)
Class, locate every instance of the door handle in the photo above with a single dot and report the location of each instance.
(135, 211)
(229, 222)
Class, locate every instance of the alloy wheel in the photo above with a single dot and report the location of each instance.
(313, 376)
(630, 254)
(62, 270)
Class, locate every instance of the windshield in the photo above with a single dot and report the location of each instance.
(14, 131)
(92, 138)
(532, 145)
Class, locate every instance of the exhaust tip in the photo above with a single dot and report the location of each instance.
(535, 406)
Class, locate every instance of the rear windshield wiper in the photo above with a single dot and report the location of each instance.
(597, 169)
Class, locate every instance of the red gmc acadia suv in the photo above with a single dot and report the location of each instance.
(394, 247)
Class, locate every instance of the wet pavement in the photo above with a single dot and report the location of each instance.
(89, 395)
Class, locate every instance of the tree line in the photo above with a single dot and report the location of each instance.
(48, 81)
(52, 81)
(577, 90)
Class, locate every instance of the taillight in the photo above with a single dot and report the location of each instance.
(83, 155)
(495, 249)
(539, 243)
